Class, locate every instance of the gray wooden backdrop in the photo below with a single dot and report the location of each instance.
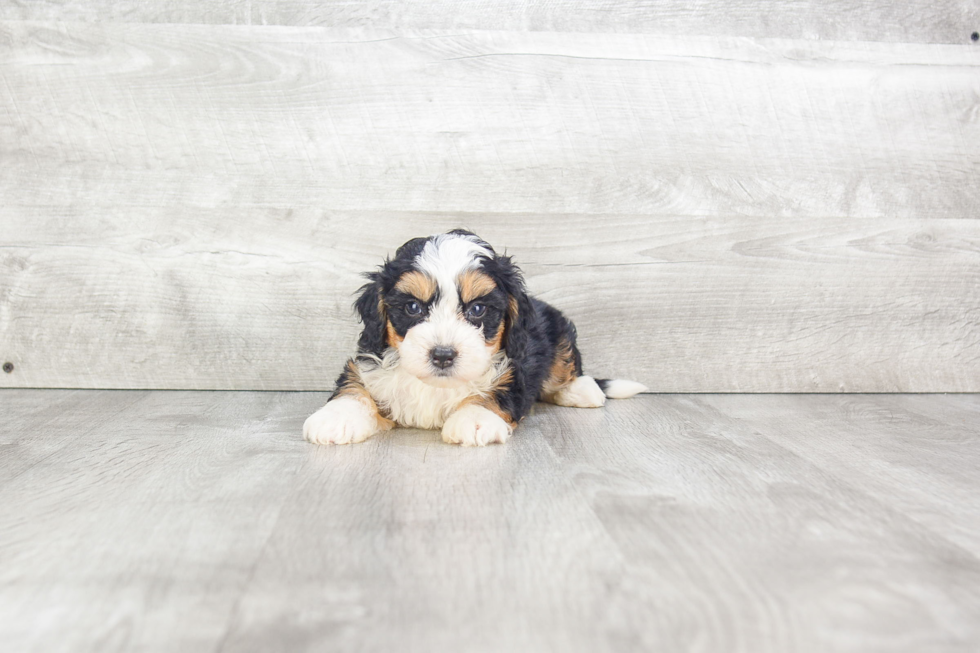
(738, 196)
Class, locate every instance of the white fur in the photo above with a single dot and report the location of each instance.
(343, 420)
(472, 354)
(445, 258)
(621, 389)
(583, 392)
(475, 426)
(410, 401)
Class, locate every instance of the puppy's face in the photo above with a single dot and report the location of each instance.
(444, 306)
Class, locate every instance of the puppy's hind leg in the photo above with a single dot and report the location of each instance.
(582, 392)
(565, 384)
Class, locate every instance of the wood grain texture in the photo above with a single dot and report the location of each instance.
(925, 463)
(140, 534)
(458, 545)
(168, 115)
(31, 432)
(916, 21)
(189, 206)
(196, 521)
(723, 528)
(206, 299)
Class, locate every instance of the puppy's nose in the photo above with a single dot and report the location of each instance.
(442, 357)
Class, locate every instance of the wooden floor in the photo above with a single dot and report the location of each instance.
(196, 521)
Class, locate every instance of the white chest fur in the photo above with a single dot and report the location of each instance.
(401, 396)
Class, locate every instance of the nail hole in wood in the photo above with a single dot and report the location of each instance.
(975, 36)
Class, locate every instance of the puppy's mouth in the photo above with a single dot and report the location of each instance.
(442, 378)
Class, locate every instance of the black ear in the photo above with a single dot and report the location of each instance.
(518, 320)
(371, 310)
(518, 326)
(411, 249)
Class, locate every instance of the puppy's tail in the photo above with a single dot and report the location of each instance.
(620, 389)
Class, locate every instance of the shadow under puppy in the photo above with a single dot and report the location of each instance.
(451, 340)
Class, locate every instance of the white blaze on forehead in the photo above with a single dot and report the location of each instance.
(445, 258)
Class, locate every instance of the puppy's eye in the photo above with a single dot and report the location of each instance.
(476, 310)
(413, 308)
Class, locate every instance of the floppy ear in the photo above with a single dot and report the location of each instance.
(369, 307)
(518, 326)
(518, 320)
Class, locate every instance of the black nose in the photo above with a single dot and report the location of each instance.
(442, 357)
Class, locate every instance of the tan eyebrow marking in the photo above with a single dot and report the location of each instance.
(494, 343)
(418, 285)
(473, 284)
(393, 338)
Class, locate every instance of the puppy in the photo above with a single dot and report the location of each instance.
(451, 340)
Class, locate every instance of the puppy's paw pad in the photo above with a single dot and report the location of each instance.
(475, 426)
(583, 392)
(344, 420)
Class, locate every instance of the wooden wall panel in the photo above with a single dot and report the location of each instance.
(189, 206)
(913, 21)
(218, 298)
(491, 121)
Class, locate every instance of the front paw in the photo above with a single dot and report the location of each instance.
(343, 420)
(475, 426)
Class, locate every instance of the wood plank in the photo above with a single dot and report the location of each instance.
(921, 464)
(222, 298)
(177, 115)
(957, 410)
(411, 544)
(733, 541)
(916, 21)
(31, 430)
(178, 153)
(202, 521)
(21, 407)
(143, 532)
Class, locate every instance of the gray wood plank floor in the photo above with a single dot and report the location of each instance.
(200, 521)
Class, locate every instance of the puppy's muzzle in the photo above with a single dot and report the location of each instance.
(442, 357)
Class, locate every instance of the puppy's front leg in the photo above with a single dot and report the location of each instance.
(349, 416)
(476, 425)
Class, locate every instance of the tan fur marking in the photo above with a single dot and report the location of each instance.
(490, 403)
(497, 340)
(562, 371)
(504, 380)
(495, 408)
(492, 406)
(393, 338)
(474, 284)
(417, 284)
(382, 310)
(355, 389)
(512, 309)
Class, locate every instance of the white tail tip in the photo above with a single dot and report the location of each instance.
(620, 389)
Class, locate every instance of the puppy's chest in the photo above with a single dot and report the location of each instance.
(410, 402)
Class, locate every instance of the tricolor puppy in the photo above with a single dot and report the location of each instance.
(452, 341)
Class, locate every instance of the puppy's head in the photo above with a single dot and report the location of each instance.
(447, 304)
